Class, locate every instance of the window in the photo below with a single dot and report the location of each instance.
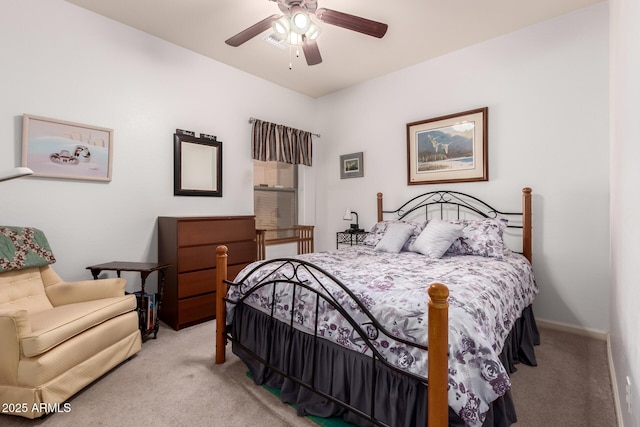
(275, 198)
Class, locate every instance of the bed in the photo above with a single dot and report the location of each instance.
(423, 323)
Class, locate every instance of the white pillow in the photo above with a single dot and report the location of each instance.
(436, 238)
(394, 238)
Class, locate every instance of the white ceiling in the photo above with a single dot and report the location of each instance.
(418, 31)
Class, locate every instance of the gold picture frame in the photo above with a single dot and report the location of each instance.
(60, 149)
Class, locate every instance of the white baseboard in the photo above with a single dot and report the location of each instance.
(614, 385)
(578, 330)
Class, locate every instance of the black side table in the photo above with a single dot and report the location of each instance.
(348, 238)
(144, 268)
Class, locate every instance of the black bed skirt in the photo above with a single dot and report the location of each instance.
(399, 400)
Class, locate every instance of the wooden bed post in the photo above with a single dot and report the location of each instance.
(526, 224)
(438, 342)
(221, 310)
(379, 207)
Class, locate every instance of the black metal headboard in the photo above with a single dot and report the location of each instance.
(457, 204)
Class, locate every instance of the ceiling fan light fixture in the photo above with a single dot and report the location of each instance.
(281, 27)
(296, 27)
(300, 21)
(313, 32)
(294, 39)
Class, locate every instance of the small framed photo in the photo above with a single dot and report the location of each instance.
(60, 149)
(449, 148)
(351, 166)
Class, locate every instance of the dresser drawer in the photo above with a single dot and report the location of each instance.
(201, 232)
(197, 309)
(203, 257)
(188, 244)
(196, 283)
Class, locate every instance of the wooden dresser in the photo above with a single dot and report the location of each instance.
(189, 244)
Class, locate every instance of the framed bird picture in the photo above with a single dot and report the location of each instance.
(450, 148)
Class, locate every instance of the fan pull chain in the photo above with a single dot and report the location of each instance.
(297, 55)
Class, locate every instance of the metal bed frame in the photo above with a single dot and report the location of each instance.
(290, 273)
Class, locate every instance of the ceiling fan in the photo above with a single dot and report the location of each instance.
(297, 29)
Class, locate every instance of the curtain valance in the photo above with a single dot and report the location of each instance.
(274, 142)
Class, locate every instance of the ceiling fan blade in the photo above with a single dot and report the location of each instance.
(352, 22)
(251, 32)
(311, 52)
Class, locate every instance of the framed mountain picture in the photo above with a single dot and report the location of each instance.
(450, 148)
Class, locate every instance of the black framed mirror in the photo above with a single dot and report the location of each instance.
(197, 165)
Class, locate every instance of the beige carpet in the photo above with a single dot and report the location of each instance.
(174, 382)
(571, 386)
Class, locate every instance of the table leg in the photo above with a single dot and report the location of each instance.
(156, 321)
(144, 326)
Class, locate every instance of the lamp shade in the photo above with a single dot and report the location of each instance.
(347, 215)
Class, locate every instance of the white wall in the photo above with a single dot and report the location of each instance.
(625, 203)
(547, 92)
(545, 86)
(63, 62)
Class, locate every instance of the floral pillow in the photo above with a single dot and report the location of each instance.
(378, 231)
(480, 237)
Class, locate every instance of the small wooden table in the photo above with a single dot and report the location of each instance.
(145, 269)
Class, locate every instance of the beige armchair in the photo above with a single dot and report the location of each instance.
(57, 337)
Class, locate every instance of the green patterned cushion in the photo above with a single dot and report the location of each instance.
(23, 247)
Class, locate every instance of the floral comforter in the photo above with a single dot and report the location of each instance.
(487, 295)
